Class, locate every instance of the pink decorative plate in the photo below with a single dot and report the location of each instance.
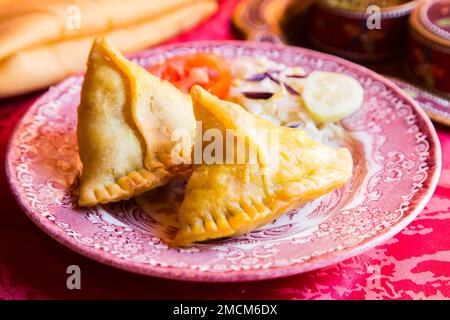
(397, 163)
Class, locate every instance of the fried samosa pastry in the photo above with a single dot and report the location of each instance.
(126, 118)
(230, 199)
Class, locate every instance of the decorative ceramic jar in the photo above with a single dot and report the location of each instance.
(359, 30)
(429, 48)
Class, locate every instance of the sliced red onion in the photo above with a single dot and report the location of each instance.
(271, 77)
(294, 125)
(262, 76)
(288, 87)
(257, 77)
(258, 95)
(265, 95)
(298, 76)
(291, 90)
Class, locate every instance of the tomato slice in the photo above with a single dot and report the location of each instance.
(207, 70)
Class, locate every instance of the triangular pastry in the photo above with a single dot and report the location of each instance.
(230, 199)
(126, 119)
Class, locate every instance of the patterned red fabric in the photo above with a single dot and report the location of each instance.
(415, 264)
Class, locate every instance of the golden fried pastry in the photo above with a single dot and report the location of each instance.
(126, 119)
(230, 199)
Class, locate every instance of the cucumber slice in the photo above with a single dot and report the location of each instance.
(330, 96)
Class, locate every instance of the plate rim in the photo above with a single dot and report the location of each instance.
(432, 112)
(193, 275)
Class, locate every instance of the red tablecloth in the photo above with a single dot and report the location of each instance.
(414, 264)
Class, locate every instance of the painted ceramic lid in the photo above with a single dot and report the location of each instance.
(357, 9)
(431, 20)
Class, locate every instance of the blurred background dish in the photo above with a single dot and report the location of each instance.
(436, 107)
(344, 28)
(429, 50)
(335, 26)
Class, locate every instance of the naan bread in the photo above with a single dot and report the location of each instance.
(126, 119)
(46, 63)
(25, 24)
(229, 199)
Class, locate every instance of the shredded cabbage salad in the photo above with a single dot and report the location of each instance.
(272, 91)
